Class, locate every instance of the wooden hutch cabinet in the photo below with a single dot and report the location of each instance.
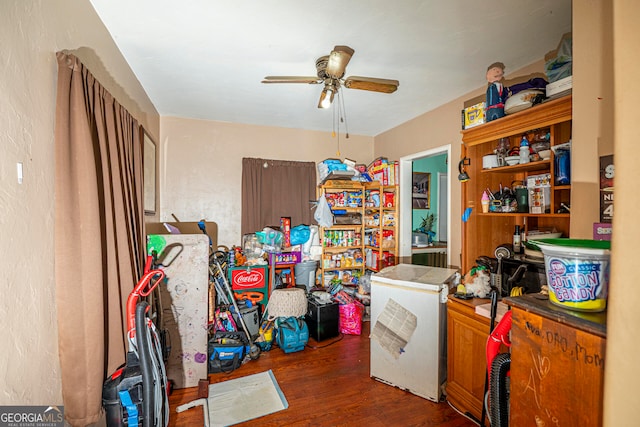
(467, 331)
(483, 232)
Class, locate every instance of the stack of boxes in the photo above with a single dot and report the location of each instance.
(539, 187)
(602, 230)
(384, 171)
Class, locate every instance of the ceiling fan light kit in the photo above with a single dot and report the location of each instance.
(326, 96)
(330, 71)
(338, 60)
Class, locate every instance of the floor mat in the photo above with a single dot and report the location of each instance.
(242, 399)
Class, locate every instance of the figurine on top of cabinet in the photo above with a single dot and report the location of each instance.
(496, 93)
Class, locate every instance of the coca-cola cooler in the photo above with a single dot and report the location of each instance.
(251, 283)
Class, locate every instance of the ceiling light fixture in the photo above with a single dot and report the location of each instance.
(326, 97)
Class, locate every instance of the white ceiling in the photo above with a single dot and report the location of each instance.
(205, 59)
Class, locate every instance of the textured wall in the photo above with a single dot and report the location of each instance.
(201, 170)
(31, 33)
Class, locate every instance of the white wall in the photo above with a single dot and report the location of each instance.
(201, 170)
(31, 33)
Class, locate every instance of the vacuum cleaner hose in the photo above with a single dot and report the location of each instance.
(146, 365)
(499, 390)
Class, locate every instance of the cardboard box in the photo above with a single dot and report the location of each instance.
(602, 231)
(473, 116)
(607, 172)
(539, 188)
(539, 200)
(184, 228)
(285, 227)
(560, 88)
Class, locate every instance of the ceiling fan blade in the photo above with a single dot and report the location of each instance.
(338, 60)
(371, 84)
(291, 79)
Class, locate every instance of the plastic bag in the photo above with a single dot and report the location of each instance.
(271, 239)
(300, 234)
(560, 66)
(350, 320)
(323, 213)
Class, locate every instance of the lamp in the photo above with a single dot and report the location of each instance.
(463, 176)
(326, 97)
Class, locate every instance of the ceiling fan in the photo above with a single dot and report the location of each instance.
(330, 71)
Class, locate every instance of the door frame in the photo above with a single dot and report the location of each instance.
(440, 177)
(406, 209)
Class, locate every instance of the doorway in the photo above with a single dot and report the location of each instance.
(440, 202)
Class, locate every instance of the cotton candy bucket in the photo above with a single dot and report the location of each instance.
(577, 272)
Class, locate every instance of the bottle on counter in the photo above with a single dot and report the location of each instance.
(517, 242)
(524, 150)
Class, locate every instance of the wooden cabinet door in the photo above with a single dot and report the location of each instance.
(557, 373)
(467, 335)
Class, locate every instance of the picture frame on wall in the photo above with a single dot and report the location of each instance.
(149, 176)
(421, 191)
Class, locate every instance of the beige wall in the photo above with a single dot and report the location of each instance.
(622, 372)
(437, 128)
(201, 167)
(31, 33)
(592, 110)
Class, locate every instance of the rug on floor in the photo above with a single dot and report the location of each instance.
(242, 399)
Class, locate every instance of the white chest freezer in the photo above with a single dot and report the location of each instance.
(408, 328)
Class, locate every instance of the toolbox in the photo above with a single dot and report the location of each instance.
(322, 319)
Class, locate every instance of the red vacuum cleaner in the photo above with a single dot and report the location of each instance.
(136, 394)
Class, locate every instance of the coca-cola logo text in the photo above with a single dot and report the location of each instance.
(248, 278)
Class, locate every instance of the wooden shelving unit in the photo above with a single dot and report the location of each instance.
(483, 232)
(381, 220)
(343, 244)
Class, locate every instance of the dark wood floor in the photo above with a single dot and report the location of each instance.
(329, 386)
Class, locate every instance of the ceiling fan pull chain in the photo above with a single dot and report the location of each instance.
(333, 123)
(336, 113)
(343, 116)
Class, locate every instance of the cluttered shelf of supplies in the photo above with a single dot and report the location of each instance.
(505, 193)
(359, 230)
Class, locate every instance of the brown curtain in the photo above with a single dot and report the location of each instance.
(99, 236)
(272, 189)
